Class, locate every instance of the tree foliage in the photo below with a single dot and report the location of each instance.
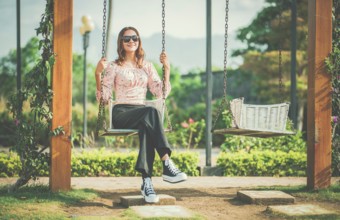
(78, 79)
(265, 33)
(265, 83)
(8, 68)
(333, 66)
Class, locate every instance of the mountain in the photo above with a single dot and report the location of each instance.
(186, 54)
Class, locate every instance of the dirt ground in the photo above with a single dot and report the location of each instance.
(213, 203)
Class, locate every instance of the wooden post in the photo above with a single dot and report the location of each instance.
(60, 172)
(319, 95)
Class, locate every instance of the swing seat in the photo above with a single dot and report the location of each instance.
(257, 120)
(159, 104)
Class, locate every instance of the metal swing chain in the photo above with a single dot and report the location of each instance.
(224, 99)
(163, 70)
(101, 112)
(280, 57)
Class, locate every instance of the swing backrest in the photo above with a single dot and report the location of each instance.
(259, 117)
(159, 104)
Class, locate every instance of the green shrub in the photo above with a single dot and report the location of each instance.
(104, 163)
(7, 129)
(286, 143)
(9, 165)
(188, 134)
(101, 163)
(77, 117)
(263, 163)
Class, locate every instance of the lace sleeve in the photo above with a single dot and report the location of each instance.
(155, 84)
(108, 83)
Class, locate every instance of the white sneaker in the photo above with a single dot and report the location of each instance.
(148, 192)
(171, 173)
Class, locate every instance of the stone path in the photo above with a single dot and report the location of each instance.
(138, 200)
(265, 197)
(115, 183)
(171, 210)
(305, 210)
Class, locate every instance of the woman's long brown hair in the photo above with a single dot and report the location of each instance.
(121, 52)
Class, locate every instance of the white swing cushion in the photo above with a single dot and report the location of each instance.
(159, 104)
(271, 118)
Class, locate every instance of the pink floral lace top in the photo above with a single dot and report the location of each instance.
(130, 84)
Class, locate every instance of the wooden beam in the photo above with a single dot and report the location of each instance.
(60, 172)
(319, 137)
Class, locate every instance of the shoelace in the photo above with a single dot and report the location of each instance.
(173, 169)
(148, 187)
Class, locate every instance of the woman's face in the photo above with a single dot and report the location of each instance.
(130, 41)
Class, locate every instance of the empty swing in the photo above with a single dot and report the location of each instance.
(249, 119)
(159, 104)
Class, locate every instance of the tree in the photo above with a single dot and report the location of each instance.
(265, 33)
(78, 77)
(265, 83)
(265, 37)
(38, 93)
(30, 54)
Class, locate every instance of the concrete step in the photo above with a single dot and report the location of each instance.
(168, 212)
(303, 210)
(265, 197)
(138, 200)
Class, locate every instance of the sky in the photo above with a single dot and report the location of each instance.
(184, 18)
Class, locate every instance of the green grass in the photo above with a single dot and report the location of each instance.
(38, 202)
(331, 194)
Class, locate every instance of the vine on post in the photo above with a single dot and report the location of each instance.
(333, 67)
(38, 93)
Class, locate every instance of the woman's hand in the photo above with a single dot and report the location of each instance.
(101, 65)
(164, 60)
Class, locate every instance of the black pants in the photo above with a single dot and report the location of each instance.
(151, 132)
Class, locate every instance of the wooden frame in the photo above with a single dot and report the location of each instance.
(319, 97)
(60, 170)
(319, 136)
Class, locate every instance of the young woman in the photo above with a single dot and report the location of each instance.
(130, 76)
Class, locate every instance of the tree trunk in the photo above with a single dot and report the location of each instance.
(20, 182)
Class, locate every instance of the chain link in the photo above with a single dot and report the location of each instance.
(101, 113)
(280, 58)
(224, 99)
(163, 70)
(104, 30)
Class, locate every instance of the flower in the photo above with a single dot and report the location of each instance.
(191, 121)
(16, 122)
(335, 119)
(184, 124)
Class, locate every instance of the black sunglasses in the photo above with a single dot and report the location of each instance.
(127, 39)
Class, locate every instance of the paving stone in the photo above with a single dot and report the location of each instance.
(169, 211)
(128, 201)
(265, 197)
(305, 210)
(93, 217)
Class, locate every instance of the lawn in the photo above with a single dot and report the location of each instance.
(37, 202)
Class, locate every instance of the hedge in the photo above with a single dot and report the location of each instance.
(263, 163)
(103, 163)
(106, 163)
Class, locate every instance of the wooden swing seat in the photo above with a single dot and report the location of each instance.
(257, 120)
(157, 103)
